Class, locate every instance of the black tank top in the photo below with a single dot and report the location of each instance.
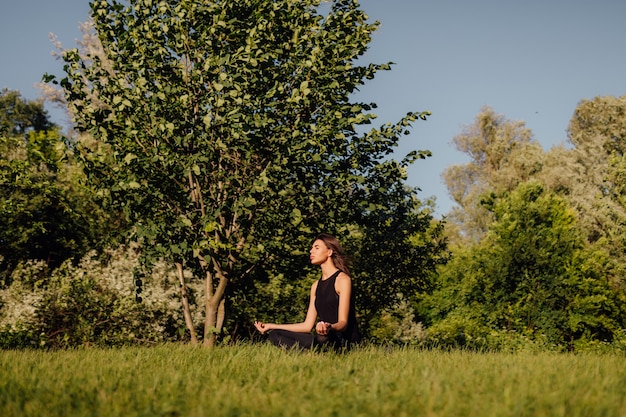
(327, 306)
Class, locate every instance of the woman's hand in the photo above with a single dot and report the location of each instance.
(323, 328)
(261, 327)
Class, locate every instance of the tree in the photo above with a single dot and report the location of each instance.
(598, 132)
(45, 213)
(533, 273)
(397, 253)
(601, 119)
(225, 130)
(502, 154)
(19, 116)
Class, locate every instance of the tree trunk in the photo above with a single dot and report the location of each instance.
(210, 329)
(214, 302)
(185, 303)
(221, 314)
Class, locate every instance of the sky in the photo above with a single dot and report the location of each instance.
(531, 61)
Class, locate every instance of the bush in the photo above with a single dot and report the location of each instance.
(398, 326)
(97, 302)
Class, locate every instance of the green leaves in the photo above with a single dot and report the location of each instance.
(533, 274)
(47, 213)
(129, 158)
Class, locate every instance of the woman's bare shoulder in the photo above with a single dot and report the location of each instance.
(343, 279)
(343, 275)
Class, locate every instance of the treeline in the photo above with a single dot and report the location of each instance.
(535, 248)
(209, 144)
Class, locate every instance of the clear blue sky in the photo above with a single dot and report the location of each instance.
(530, 60)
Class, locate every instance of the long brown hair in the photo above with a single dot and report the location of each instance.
(339, 258)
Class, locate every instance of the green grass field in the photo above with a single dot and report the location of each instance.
(259, 380)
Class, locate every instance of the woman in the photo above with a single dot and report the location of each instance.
(331, 299)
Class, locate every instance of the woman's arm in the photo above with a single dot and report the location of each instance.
(304, 327)
(343, 286)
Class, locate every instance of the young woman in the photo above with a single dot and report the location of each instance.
(331, 300)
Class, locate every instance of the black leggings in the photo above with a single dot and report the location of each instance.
(303, 341)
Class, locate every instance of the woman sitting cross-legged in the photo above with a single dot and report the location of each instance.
(331, 300)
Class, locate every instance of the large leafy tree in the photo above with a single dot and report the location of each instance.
(226, 133)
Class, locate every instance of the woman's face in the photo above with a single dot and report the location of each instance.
(319, 253)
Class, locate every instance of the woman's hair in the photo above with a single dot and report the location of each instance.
(339, 258)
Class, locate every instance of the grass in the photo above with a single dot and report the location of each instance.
(260, 380)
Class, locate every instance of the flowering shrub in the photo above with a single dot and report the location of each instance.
(398, 326)
(103, 302)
